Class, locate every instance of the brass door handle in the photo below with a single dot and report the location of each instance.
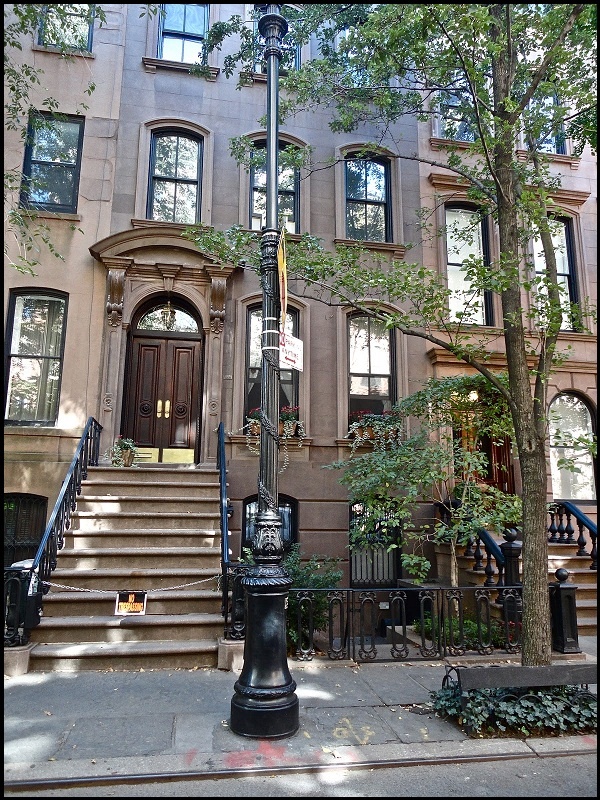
(159, 408)
(167, 408)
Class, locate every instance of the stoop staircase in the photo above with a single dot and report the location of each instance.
(144, 528)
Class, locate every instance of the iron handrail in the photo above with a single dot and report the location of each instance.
(579, 515)
(35, 573)
(225, 512)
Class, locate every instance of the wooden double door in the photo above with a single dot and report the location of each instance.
(162, 402)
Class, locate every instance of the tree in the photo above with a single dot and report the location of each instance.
(64, 29)
(503, 66)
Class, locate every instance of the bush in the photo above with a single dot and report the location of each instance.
(552, 711)
(319, 572)
(470, 632)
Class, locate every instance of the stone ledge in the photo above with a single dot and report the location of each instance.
(16, 660)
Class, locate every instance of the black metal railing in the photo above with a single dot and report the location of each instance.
(26, 583)
(232, 592)
(561, 530)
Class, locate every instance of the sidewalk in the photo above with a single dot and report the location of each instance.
(98, 725)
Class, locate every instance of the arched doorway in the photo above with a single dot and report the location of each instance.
(163, 384)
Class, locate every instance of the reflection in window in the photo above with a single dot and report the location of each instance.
(551, 136)
(367, 206)
(175, 173)
(70, 29)
(465, 240)
(288, 510)
(182, 31)
(34, 365)
(370, 365)
(288, 384)
(166, 317)
(562, 239)
(570, 419)
(287, 195)
(52, 163)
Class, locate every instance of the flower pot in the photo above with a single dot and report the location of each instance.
(254, 427)
(127, 456)
(287, 428)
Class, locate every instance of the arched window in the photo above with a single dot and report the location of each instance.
(174, 191)
(571, 464)
(564, 250)
(288, 380)
(288, 510)
(35, 336)
(166, 317)
(368, 207)
(370, 364)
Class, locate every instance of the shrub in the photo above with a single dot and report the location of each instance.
(319, 572)
(554, 710)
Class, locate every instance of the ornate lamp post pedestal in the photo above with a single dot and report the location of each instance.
(265, 704)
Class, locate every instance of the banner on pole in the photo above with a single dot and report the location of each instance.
(282, 272)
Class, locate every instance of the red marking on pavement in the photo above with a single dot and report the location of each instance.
(189, 756)
(265, 755)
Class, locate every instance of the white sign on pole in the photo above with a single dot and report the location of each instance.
(290, 351)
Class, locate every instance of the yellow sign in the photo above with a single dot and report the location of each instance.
(282, 272)
(130, 603)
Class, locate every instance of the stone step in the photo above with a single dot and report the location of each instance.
(145, 503)
(130, 628)
(141, 537)
(125, 578)
(140, 557)
(66, 603)
(168, 489)
(109, 520)
(152, 474)
(120, 656)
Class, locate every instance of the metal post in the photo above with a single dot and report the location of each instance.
(265, 705)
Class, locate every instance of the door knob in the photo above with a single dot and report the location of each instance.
(159, 408)
(167, 408)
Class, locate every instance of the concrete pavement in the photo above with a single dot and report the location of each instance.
(106, 726)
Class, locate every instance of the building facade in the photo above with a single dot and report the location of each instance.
(157, 341)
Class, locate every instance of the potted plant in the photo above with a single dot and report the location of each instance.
(123, 452)
(288, 420)
(253, 418)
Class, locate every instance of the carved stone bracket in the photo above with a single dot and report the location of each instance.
(169, 273)
(116, 269)
(218, 289)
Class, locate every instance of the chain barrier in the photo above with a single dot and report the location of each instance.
(147, 591)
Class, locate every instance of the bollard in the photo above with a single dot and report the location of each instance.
(563, 613)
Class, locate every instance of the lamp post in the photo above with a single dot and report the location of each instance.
(265, 705)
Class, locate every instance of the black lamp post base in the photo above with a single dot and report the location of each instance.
(271, 719)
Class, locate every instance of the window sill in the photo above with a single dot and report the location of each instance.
(58, 215)
(152, 64)
(155, 223)
(438, 143)
(553, 158)
(397, 251)
(42, 48)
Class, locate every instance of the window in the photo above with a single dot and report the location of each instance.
(287, 195)
(367, 200)
(374, 565)
(290, 57)
(562, 239)
(570, 419)
(455, 117)
(370, 355)
(168, 318)
(70, 28)
(546, 126)
(288, 510)
(175, 175)
(288, 384)
(182, 31)
(52, 163)
(35, 342)
(24, 525)
(466, 239)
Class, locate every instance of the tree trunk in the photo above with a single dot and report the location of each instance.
(526, 412)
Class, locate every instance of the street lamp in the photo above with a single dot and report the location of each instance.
(265, 705)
